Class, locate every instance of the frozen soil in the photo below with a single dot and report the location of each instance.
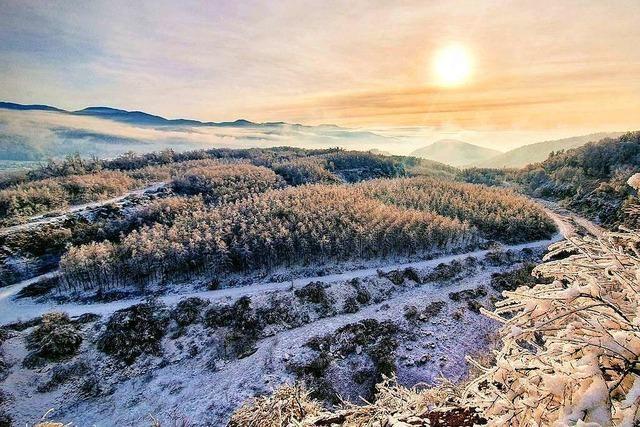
(200, 359)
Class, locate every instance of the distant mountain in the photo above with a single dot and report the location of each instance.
(22, 107)
(141, 118)
(538, 152)
(53, 135)
(455, 153)
(133, 117)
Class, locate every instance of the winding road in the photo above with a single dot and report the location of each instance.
(12, 309)
(52, 217)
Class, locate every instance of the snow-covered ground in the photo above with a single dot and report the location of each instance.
(12, 310)
(182, 383)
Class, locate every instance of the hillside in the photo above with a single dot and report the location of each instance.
(591, 179)
(538, 152)
(455, 153)
(567, 351)
(236, 270)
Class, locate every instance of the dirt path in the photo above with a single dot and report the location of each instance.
(570, 224)
(51, 217)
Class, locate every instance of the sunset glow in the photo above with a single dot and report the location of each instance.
(553, 68)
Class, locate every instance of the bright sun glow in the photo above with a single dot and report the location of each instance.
(452, 65)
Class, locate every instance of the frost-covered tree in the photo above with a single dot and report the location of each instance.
(570, 350)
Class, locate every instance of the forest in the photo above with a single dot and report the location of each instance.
(226, 211)
(56, 185)
(567, 355)
(308, 224)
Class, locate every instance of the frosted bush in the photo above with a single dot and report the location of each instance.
(634, 181)
(570, 350)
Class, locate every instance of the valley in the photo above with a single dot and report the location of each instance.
(223, 275)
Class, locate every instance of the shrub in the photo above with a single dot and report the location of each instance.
(393, 405)
(281, 310)
(39, 288)
(188, 310)
(351, 305)
(288, 405)
(570, 348)
(410, 312)
(134, 331)
(245, 325)
(433, 309)
(56, 337)
(375, 338)
(394, 276)
(512, 280)
(219, 316)
(468, 294)
(314, 293)
(443, 271)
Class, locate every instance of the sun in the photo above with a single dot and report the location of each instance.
(452, 65)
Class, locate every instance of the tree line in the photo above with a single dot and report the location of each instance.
(302, 225)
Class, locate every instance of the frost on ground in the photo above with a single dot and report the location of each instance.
(198, 358)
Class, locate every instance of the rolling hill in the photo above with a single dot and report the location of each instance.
(455, 153)
(538, 152)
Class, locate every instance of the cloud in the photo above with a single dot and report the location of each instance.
(56, 134)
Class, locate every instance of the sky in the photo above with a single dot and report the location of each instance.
(537, 69)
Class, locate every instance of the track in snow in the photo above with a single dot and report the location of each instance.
(50, 217)
(12, 310)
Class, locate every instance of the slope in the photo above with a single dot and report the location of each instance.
(455, 153)
(538, 152)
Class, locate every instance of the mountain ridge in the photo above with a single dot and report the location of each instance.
(454, 152)
(144, 118)
(539, 151)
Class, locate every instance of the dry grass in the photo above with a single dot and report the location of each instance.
(289, 405)
(44, 423)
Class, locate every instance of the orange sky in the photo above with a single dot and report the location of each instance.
(545, 66)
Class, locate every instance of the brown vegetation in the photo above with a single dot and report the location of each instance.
(55, 193)
(226, 183)
(305, 224)
(497, 213)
